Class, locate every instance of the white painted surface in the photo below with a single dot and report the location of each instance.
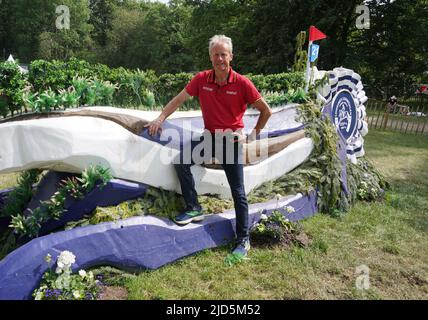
(72, 144)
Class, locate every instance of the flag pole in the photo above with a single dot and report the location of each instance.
(308, 67)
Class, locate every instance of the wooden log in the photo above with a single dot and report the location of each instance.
(257, 151)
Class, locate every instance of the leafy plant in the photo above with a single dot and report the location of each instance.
(72, 187)
(30, 100)
(162, 202)
(104, 91)
(68, 98)
(365, 182)
(273, 229)
(148, 99)
(94, 175)
(54, 207)
(83, 90)
(47, 101)
(19, 197)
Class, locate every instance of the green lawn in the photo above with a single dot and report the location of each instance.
(390, 238)
(8, 180)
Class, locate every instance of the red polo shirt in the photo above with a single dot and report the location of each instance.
(223, 107)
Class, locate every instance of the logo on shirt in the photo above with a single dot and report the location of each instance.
(232, 92)
(207, 88)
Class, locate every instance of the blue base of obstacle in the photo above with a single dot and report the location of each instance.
(136, 243)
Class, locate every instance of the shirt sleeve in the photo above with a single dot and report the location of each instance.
(192, 88)
(251, 93)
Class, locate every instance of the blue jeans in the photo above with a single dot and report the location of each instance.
(235, 176)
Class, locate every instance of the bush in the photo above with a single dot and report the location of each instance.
(169, 85)
(12, 85)
(53, 80)
(278, 82)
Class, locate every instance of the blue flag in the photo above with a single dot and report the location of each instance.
(314, 52)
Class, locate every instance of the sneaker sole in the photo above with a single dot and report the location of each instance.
(194, 219)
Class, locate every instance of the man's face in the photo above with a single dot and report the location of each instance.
(221, 57)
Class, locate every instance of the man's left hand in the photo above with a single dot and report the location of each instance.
(239, 137)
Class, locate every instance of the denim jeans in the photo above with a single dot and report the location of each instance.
(233, 167)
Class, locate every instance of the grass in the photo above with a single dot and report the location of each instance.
(388, 237)
(8, 180)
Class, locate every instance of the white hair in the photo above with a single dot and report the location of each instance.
(220, 38)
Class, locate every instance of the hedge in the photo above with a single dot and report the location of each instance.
(135, 88)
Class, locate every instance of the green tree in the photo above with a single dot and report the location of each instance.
(150, 36)
(32, 32)
(101, 19)
(211, 17)
(69, 42)
(123, 38)
(4, 29)
(393, 53)
(27, 20)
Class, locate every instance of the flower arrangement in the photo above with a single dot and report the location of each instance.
(62, 284)
(274, 228)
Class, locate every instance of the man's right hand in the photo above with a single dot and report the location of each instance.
(154, 126)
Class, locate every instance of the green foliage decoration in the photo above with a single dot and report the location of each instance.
(301, 55)
(162, 202)
(16, 203)
(324, 156)
(123, 210)
(19, 197)
(365, 182)
(54, 207)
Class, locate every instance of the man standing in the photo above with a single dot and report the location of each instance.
(223, 96)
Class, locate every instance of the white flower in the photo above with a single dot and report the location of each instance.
(82, 273)
(278, 196)
(263, 217)
(76, 294)
(67, 258)
(39, 295)
(290, 209)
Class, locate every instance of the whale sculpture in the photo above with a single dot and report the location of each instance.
(116, 138)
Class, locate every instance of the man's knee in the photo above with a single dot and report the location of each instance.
(238, 193)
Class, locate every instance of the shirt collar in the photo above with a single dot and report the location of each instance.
(230, 79)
